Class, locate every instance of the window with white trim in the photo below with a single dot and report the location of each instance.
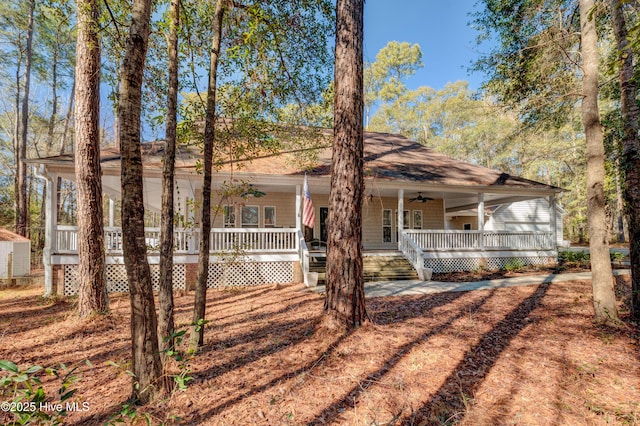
(386, 226)
(250, 216)
(269, 215)
(406, 219)
(417, 219)
(229, 213)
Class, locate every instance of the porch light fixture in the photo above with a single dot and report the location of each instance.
(251, 191)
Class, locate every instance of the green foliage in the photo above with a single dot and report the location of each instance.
(182, 358)
(394, 63)
(27, 399)
(569, 258)
(617, 256)
(319, 114)
(534, 66)
(513, 265)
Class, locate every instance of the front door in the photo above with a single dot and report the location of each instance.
(324, 216)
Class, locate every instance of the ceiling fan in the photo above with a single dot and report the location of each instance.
(420, 198)
(252, 191)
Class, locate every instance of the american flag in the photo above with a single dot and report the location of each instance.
(308, 215)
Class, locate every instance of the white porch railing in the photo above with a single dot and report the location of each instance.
(429, 240)
(303, 252)
(414, 254)
(254, 239)
(186, 241)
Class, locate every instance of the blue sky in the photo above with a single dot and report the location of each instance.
(441, 29)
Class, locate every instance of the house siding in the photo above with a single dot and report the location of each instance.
(458, 222)
(531, 215)
(285, 203)
(432, 218)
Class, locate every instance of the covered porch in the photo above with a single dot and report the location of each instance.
(258, 236)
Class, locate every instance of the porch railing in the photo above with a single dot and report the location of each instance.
(187, 241)
(429, 240)
(412, 252)
(303, 252)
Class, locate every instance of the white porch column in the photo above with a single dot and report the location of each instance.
(400, 215)
(112, 211)
(553, 217)
(481, 220)
(51, 223)
(299, 208)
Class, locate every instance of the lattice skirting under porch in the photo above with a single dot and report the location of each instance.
(116, 276)
(243, 274)
(220, 275)
(476, 263)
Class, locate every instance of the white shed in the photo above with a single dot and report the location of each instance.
(17, 249)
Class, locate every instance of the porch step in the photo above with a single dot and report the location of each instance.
(376, 268)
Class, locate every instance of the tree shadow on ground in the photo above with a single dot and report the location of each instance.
(20, 316)
(395, 314)
(449, 403)
(309, 366)
(398, 311)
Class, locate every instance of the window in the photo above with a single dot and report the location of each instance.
(269, 216)
(406, 219)
(466, 227)
(229, 213)
(386, 226)
(417, 219)
(250, 216)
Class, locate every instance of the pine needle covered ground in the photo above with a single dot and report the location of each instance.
(519, 355)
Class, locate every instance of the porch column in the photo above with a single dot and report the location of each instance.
(553, 217)
(112, 211)
(299, 208)
(481, 220)
(51, 222)
(400, 216)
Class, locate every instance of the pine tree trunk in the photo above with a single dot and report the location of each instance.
(604, 300)
(16, 141)
(344, 302)
(631, 161)
(54, 105)
(620, 220)
(197, 332)
(165, 294)
(92, 290)
(23, 205)
(146, 364)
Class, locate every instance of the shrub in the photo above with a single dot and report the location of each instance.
(27, 399)
(514, 265)
(569, 258)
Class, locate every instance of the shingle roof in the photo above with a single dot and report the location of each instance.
(386, 157)
(6, 235)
